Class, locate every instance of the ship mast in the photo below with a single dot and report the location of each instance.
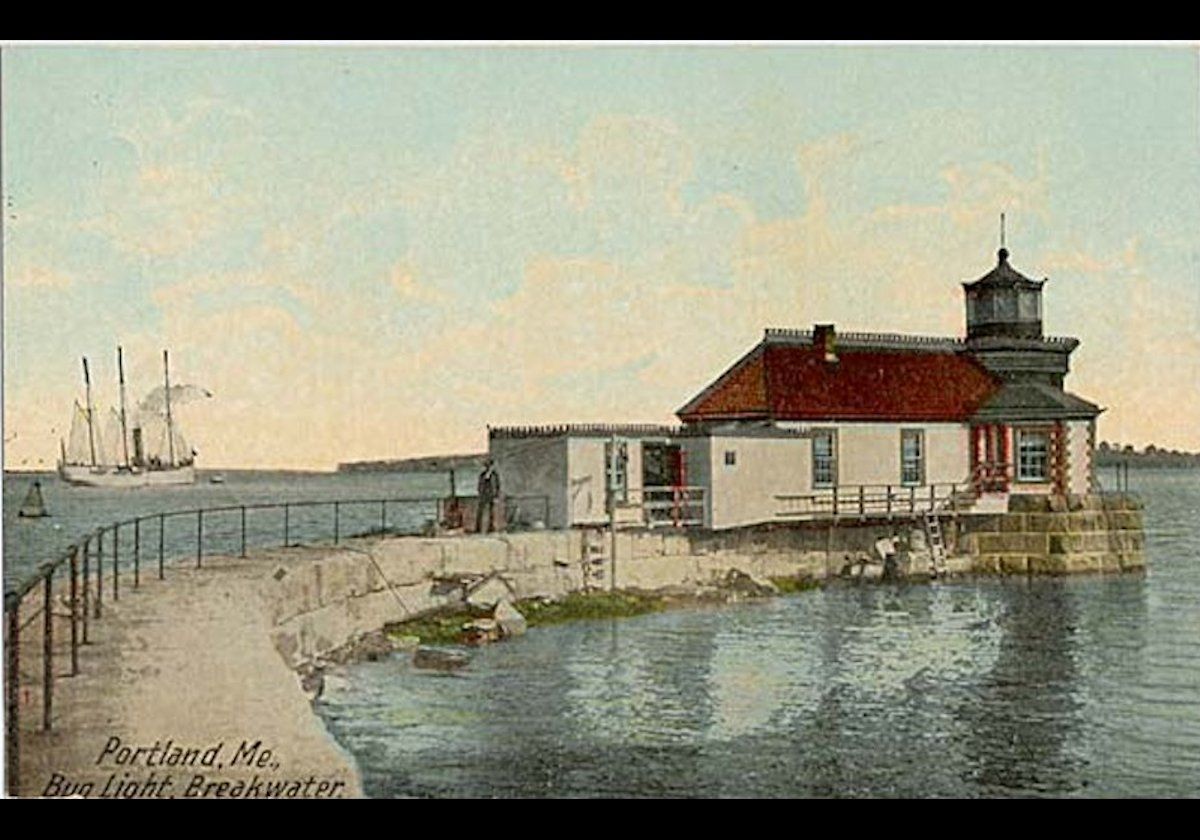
(167, 398)
(87, 382)
(124, 430)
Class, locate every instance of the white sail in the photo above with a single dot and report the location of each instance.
(108, 440)
(79, 450)
(154, 437)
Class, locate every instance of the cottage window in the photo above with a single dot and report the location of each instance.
(1033, 455)
(616, 470)
(824, 458)
(731, 457)
(912, 456)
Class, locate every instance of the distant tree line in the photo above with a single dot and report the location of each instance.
(1108, 454)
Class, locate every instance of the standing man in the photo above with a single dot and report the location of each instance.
(489, 491)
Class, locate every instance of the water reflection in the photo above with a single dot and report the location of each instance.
(1025, 709)
(1078, 686)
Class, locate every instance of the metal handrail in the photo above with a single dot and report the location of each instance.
(86, 594)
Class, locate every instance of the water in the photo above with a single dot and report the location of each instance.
(78, 510)
(1083, 687)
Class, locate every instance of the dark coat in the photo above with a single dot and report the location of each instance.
(489, 484)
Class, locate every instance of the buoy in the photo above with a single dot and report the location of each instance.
(33, 507)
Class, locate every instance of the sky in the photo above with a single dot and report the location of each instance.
(376, 252)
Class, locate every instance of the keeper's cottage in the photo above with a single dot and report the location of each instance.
(815, 423)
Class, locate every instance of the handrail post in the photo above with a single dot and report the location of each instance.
(243, 530)
(137, 552)
(862, 501)
(383, 517)
(12, 691)
(74, 610)
(99, 572)
(336, 515)
(932, 497)
(912, 499)
(199, 536)
(286, 516)
(889, 501)
(162, 526)
(87, 548)
(835, 501)
(116, 562)
(47, 649)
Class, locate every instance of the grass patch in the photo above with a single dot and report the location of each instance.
(789, 585)
(445, 628)
(579, 605)
(437, 629)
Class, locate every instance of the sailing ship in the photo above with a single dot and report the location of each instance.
(95, 456)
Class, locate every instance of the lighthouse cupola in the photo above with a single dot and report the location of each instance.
(1004, 303)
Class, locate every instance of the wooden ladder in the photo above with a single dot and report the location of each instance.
(595, 555)
(937, 544)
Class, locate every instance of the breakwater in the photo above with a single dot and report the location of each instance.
(358, 589)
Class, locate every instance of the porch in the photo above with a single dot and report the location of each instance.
(872, 501)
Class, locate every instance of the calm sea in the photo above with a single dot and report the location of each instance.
(75, 511)
(1080, 687)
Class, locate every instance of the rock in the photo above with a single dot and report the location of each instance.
(487, 593)
(312, 683)
(481, 631)
(509, 619)
(439, 660)
(740, 582)
(405, 642)
(372, 647)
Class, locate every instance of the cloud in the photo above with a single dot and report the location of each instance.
(595, 278)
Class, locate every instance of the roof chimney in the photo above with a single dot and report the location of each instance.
(825, 339)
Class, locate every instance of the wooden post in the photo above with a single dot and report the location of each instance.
(889, 501)
(199, 536)
(47, 650)
(612, 512)
(137, 552)
(243, 530)
(862, 501)
(286, 511)
(912, 498)
(162, 527)
(383, 516)
(74, 610)
(337, 511)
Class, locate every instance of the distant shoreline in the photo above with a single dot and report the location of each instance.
(1148, 460)
(201, 472)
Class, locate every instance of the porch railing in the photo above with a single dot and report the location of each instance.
(864, 501)
(668, 506)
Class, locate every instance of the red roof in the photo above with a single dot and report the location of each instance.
(788, 381)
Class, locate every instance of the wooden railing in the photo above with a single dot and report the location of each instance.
(865, 501)
(677, 507)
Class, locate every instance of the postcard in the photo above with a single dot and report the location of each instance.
(600, 419)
